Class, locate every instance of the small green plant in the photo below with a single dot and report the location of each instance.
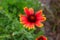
(10, 26)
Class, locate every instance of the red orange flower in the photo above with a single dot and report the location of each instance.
(31, 19)
(41, 38)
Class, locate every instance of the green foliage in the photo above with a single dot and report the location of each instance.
(10, 27)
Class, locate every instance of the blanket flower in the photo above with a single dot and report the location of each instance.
(32, 19)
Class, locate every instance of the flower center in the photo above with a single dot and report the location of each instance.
(41, 38)
(32, 18)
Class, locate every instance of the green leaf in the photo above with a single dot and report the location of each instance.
(39, 34)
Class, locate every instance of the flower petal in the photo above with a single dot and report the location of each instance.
(23, 18)
(31, 10)
(38, 24)
(29, 25)
(41, 18)
(39, 13)
(26, 10)
(25, 22)
(41, 38)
